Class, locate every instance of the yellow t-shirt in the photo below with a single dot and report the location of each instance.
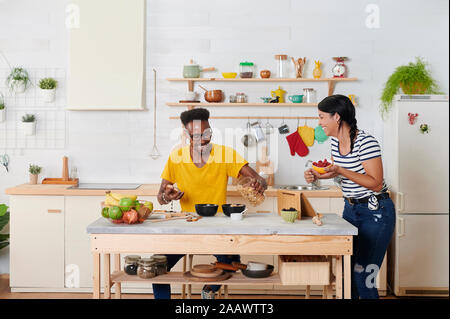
(206, 185)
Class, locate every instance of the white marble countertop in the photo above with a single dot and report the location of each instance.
(252, 224)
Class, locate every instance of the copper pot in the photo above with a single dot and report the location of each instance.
(214, 96)
(265, 74)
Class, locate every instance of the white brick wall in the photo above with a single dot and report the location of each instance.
(114, 146)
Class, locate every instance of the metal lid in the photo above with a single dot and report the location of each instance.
(159, 258)
(146, 261)
(308, 89)
(281, 57)
(132, 258)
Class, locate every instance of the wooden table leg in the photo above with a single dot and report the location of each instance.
(347, 277)
(308, 292)
(118, 285)
(183, 287)
(107, 275)
(191, 259)
(338, 274)
(96, 276)
(225, 291)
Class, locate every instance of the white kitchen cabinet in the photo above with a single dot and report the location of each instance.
(37, 241)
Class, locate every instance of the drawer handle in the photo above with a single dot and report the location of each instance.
(56, 211)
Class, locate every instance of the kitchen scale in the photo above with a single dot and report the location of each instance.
(106, 186)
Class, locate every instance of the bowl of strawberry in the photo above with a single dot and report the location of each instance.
(320, 166)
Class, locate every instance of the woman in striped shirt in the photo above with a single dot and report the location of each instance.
(356, 158)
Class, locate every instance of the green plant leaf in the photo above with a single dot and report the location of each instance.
(3, 245)
(3, 209)
(4, 220)
(4, 237)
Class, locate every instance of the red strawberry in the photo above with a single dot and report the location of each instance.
(315, 163)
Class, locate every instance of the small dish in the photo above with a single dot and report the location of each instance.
(289, 216)
(266, 99)
(320, 170)
(236, 216)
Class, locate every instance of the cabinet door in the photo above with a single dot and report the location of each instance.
(80, 212)
(37, 241)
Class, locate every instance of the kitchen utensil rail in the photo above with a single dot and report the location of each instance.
(255, 117)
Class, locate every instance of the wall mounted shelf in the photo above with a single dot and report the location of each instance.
(331, 81)
(242, 104)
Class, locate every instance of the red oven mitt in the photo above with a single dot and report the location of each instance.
(300, 148)
(292, 140)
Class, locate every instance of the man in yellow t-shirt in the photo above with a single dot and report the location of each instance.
(201, 170)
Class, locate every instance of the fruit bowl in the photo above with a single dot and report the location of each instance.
(320, 166)
(229, 75)
(122, 214)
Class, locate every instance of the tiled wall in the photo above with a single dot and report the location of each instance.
(115, 146)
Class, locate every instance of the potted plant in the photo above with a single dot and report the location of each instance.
(413, 78)
(18, 80)
(29, 124)
(48, 89)
(4, 220)
(34, 173)
(2, 108)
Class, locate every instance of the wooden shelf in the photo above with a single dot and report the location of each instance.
(243, 104)
(177, 278)
(263, 80)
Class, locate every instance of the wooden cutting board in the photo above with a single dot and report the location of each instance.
(204, 268)
(213, 274)
(187, 275)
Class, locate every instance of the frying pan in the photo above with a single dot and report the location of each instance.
(258, 273)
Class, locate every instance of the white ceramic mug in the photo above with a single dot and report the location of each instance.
(190, 96)
(236, 216)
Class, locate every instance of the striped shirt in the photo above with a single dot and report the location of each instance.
(365, 148)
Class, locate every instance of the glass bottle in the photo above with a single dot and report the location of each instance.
(131, 264)
(281, 65)
(246, 70)
(146, 268)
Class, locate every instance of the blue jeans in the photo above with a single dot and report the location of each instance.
(375, 229)
(162, 291)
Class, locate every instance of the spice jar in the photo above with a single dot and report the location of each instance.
(146, 268)
(131, 264)
(161, 264)
(246, 69)
(309, 95)
(241, 98)
(232, 98)
(281, 65)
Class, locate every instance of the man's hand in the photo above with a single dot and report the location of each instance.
(172, 193)
(260, 185)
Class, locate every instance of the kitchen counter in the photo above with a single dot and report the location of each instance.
(143, 190)
(252, 224)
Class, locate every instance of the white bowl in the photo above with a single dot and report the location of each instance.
(236, 216)
(253, 265)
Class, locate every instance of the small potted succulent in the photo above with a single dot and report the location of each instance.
(29, 124)
(2, 108)
(18, 80)
(48, 89)
(413, 78)
(34, 173)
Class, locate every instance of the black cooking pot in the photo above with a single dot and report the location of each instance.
(258, 273)
(232, 208)
(206, 210)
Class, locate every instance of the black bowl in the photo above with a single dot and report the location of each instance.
(258, 273)
(206, 210)
(228, 209)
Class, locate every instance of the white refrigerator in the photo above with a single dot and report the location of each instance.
(416, 168)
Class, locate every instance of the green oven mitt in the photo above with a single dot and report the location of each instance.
(319, 134)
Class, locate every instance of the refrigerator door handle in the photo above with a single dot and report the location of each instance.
(401, 227)
(400, 202)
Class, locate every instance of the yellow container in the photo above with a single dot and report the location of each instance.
(229, 75)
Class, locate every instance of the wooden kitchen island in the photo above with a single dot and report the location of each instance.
(256, 234)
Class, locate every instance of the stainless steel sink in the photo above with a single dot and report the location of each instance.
(302, 187)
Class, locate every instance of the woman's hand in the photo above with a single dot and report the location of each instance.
(311, 175)
(331, 172)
